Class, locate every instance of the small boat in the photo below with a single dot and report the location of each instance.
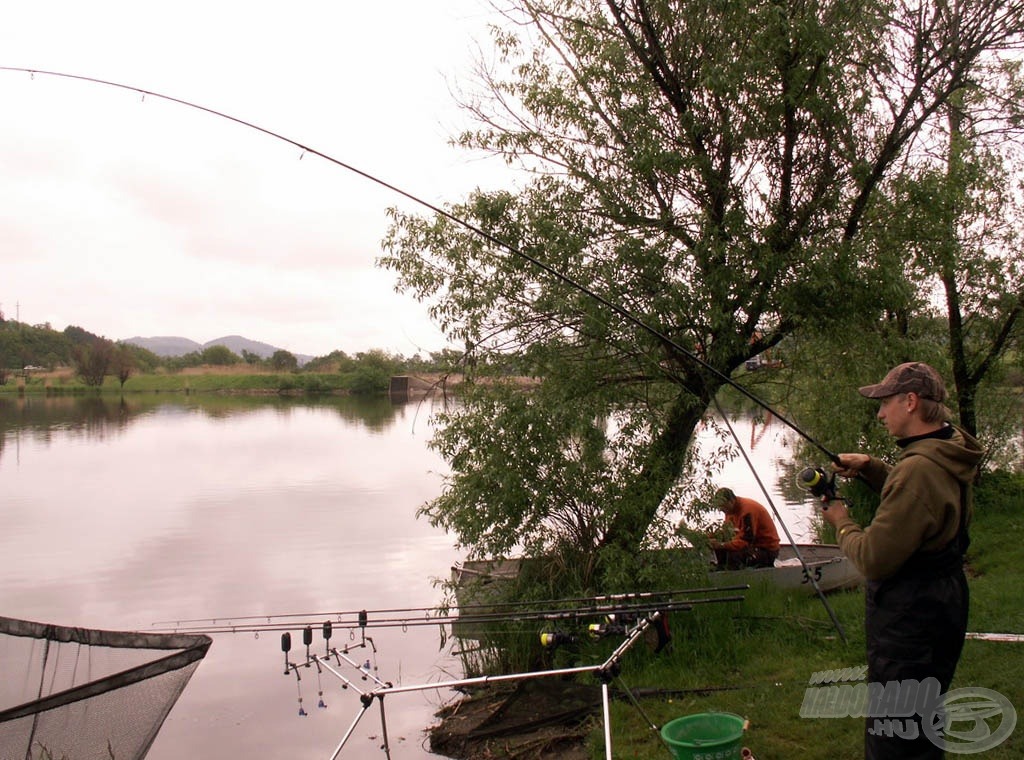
(824, 563)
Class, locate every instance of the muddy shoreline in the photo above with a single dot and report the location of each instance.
(529, 720)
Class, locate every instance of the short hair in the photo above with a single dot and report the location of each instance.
(933, 411)
(722, 497)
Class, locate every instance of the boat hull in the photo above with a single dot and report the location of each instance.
(825, 564)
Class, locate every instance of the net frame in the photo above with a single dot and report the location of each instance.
(69, 692)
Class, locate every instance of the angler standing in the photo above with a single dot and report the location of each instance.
(912, 557)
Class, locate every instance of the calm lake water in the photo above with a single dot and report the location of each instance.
(122, 514)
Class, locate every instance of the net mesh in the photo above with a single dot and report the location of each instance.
(84, 694)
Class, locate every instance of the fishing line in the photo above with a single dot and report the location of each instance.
(515, 250)
(796, 549)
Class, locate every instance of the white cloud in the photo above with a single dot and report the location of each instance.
(136, 216)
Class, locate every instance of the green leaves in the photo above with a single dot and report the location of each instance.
(526, 473)
(724, 171)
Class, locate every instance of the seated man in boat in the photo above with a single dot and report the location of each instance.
(755, 541)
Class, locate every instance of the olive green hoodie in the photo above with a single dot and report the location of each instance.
(921, 498)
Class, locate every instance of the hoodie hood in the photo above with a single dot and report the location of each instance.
(958, 454)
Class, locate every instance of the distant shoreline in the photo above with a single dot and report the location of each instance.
(237, 379)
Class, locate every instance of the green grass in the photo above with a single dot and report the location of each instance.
(755, 658)
(212, 382)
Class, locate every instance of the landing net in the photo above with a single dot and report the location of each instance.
(83, 694)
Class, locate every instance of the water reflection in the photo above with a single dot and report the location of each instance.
(121, 512)
(118, 514)
(96, 417)
(41, 416)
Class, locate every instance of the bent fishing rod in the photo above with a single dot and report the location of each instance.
(491, 238)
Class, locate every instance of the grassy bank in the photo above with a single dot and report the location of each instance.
(206, 380)
(756, 658)
(759, 655)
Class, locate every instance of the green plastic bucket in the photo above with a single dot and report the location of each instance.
(705, 736)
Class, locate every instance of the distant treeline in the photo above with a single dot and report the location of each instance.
(25, 349)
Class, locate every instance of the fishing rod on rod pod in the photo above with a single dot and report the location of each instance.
(606, 672)
(365, 622)
(475, 229)
(363, 615)
(364, 682)
(616, 618)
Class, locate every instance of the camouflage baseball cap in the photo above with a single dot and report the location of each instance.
(911, 377)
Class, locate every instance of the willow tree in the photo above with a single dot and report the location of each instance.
(954, 220)
(709, 168)
(969, 203)
(92, 360)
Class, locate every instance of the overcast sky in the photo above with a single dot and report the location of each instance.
(131, 216)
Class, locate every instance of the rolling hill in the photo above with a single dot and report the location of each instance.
(173, 345)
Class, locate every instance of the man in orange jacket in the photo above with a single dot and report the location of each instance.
(755, 541)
